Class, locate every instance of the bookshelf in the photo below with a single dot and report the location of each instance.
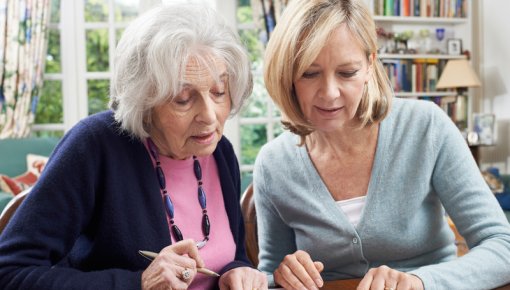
(414, 38)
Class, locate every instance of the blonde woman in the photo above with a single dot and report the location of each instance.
(366, 178)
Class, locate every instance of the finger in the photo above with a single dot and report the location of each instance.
(289, 278)
(405, 284)
(319, 266)
(383, 277)
(387, 277)
(174, 281)
(365, 283)
(391, 280)
(379, 282)
(187, 275)
(181, 267)
(171, 259)
(177, 283)
(312, 277)
(189, 248)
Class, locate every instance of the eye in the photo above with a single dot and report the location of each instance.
(219, 90)
(184, 98)
(310, 75)
(218, 94)
(182, 102)
(348, 74)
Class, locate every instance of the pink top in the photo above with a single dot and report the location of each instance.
(182, 187)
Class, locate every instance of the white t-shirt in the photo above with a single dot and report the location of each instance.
(352, 208)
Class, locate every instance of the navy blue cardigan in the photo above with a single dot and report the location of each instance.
(96, 204)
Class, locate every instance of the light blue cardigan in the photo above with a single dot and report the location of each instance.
(422, 164)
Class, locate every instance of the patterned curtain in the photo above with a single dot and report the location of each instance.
(23, 44)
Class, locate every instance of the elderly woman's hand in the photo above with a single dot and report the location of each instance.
(386, 278)
(173, 268)
(298, 271)
(243, 278)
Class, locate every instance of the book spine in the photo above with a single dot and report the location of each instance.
(405, 8)
(388, 7)
(423, 8)
(413, 78)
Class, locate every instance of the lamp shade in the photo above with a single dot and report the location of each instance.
(458, 73)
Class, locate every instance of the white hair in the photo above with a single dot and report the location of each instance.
(151, 58)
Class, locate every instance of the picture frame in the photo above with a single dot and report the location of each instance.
(454, 46)
(484, 127)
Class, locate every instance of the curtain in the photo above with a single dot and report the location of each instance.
(23, 44)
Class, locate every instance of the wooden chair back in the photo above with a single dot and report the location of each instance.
(11, 208)
(250, 225)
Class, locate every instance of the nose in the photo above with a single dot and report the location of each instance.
(331, 88)
(207, 110)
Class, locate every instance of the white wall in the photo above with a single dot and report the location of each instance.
(494, 65)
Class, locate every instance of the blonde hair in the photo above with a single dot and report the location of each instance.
(152, 54)
(299, 36)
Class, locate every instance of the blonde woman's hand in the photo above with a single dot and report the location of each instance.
(298, 271)
(386, 278)
(243, 278)
(174, 267)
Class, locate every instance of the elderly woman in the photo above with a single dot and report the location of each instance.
(155, 173)
(365, 193)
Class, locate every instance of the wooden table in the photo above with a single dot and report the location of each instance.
(351, 284)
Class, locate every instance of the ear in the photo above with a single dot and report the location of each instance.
(370, 66)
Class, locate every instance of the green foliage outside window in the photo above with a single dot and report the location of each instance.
(97, 50)
(49, 108)
(96, 10)
(53, 59)
(256, 105)
(252, 138)
(98, 95)
(250, 38)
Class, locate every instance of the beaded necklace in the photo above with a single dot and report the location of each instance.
(169, 206)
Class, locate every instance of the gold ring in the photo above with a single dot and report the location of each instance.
(186, 274)
(389, 288)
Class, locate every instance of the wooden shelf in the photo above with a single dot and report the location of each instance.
(421, 20)
(416, 56)
(424, 94)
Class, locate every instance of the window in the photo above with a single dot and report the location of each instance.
(82, 38)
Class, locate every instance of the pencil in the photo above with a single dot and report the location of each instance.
(151, 256)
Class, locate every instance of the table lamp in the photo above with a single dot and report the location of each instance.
(459, 74)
